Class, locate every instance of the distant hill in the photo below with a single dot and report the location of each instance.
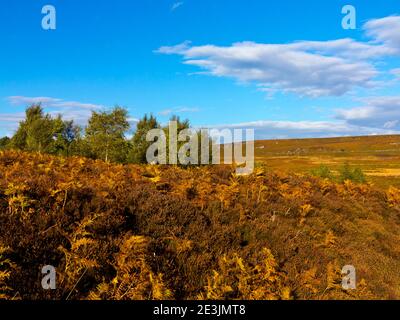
(377, 156)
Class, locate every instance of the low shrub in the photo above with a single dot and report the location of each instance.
(354, 175)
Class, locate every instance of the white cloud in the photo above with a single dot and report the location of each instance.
(9, 122)
(380, 112)
(51, 102)
(176, 5)
(385, 31)
(12, 117)
(396, 72)
(311, 68)
(21, 100)
(70, 110)
(304, 129)
(281, 67)
(177, 110)
(346, 48)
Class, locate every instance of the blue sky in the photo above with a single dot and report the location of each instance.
(286, 68)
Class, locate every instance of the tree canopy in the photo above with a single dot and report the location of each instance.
(105, 134)
(42, 133)
(104, 137)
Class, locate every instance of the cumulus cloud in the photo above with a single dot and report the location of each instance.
(308, 68)
(380, 112)
(385, 31)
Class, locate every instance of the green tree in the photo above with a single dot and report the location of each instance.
(105, 135)
(65, 135)
(40, 132)
(40, 135)
(32, 114)
(139, 145)
(178, 125)
(4, 142)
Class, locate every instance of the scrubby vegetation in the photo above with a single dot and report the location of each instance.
(323, 172)
(117, 231)
(346, 173)
(355, 174)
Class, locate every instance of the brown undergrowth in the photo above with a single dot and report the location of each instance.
(148, 232)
